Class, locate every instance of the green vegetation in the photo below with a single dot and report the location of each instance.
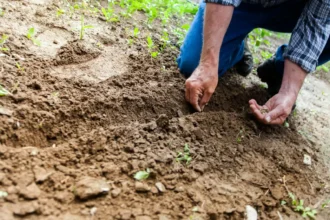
(2, 12)
(3, 40)
(298, 206)
(83, 27)
(142, 175)
(3, 91)
(185, 155)
(30, 35)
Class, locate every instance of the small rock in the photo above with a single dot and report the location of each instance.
(179, 189)
(40, 174)
(199, 134)
(240, 148)
(115, 192)
(154, 190)
(251, 213)
(277, 192)
(89, 187)
(161, 188)
(26, 208)
(151, 126)
(180, 114)
(141, 187)
(307, 159)
(93, 211)
(64, 197)
(144, 217)
(163, 217)
(30, 192)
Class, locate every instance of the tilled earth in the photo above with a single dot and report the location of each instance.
(84, 118)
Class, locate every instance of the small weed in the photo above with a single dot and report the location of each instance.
(326, 204)
(83, 27)
(59, 12)
(142, 175)
(107, 13)
(136, 32)
(298, 205)
(324, 68)
(30, 35)
(151, 47)
(240, 136)
(2, 12)
(3, 91)
(185, 155)
(19, 67)
(3, 40)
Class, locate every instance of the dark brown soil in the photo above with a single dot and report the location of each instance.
(64, 130)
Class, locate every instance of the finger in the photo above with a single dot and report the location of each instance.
(187, 92)
(193, 99)
(276, 116)
(205, 99)
(255, 108)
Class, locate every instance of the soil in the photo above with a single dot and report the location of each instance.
(85, 116)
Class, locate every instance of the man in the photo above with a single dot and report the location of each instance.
(225, 23)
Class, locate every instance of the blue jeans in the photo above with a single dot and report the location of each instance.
(246, 17)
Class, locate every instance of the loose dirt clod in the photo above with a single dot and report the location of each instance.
(89, 187)
(30, 192)
(161, 188)
(23, 209)
(141, 187)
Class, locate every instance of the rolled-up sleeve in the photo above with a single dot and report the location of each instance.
(310, 35)
(234, 3)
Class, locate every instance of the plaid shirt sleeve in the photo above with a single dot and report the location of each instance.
(310, 35)
(234, 3)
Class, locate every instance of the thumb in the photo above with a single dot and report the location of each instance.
(205, 99)
(274, 116)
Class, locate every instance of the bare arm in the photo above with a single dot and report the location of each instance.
(280, 105)
(201, 84)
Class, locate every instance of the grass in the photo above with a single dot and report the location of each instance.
(3, 91)
(83, 27)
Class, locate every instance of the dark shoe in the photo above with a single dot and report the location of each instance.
(268, 74)
(245, 65)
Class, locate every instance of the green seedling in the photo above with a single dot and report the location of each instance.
(3, 91)
(2, 12)
(136, 32)
(298, 206)
(3, 41)
(107, 13)
(185, 155)
(324, 68)
(240, 136)
(59, 12)
(142, 175)
(151, 47)
(30, 35)
(83, 27)
(165, 39)
(19, 67)
(326, 204)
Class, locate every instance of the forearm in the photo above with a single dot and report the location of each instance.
(216, 21)
(293, 78)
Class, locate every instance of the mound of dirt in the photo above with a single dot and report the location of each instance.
(76, 52)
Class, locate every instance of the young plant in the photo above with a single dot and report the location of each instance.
(30, 35)
(151, 48)
(185, 155)
(3, 91)
(19, 67)
(136, 32)
(59, 12)
(3, 40)
(326, 204)
(2, 12)
(107, 13)
(142, 175)
(298, 206)
(83, 27)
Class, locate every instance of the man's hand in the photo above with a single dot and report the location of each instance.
(276, 110)
(201, 85)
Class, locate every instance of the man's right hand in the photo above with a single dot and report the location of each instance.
(201, 85)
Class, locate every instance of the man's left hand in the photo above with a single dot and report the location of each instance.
(276, 110)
